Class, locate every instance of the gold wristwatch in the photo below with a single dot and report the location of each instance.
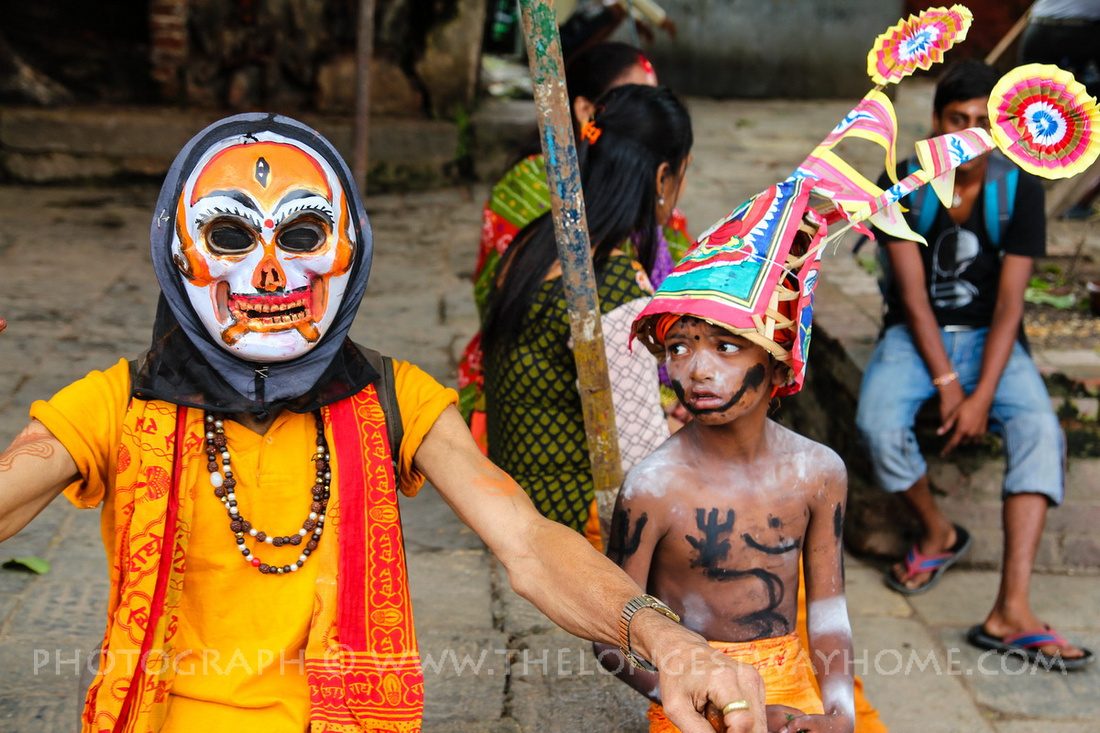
(635, 604)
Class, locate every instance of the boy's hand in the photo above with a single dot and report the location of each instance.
(816, 724)
(780, 715)
(951, 396)
(3, 325)
(969, 421)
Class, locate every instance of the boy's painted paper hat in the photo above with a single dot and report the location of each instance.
(753, 274)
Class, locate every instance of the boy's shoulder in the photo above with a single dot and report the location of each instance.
(656, 474)
(806, 453)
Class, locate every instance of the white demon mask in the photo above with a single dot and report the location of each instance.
(264, 244)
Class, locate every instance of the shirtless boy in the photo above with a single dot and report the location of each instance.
(715, 521)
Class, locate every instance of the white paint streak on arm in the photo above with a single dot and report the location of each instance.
(829, 616)
(838, 694)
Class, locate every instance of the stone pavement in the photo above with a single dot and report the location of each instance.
(77, 289)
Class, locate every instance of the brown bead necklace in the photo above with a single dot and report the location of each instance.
(217, 452)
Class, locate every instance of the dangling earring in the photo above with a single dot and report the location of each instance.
(660, 200)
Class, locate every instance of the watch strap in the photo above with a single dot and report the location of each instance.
(635, 604)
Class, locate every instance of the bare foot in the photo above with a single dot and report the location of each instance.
(1001, 625)
(930, 544)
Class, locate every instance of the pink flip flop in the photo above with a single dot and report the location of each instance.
(917, 563)
(1028, 644)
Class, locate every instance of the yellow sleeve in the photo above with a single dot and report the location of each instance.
(86, 417)
(421, 400)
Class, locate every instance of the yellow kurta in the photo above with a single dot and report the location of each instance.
(240, 647)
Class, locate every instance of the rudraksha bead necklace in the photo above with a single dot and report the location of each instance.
(224, 483)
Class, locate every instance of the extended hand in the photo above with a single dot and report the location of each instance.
(969, 421)
(818, 724)
(3, 325)
(694, 673)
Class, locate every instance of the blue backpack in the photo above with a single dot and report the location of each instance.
(999, 196)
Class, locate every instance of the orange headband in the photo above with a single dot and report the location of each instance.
(663, 324)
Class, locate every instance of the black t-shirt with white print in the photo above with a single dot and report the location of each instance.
(962, 267)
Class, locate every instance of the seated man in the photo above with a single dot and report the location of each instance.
(953, 330)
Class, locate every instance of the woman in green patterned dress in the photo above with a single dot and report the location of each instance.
(521, 196)
(632, 159)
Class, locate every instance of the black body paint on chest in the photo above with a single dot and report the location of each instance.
(710, 546)
(713, 547)
(771, 549)
(621, 541)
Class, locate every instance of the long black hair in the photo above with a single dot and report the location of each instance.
(962, 81)
(640, 127)
(590, 74)
(593, 71)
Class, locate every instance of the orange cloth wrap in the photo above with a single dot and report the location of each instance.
(663, 324)
(784, 666)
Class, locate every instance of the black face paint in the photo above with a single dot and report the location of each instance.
(774, 522)
(753, 380)
(771, 549)
(621, 542)
(678, 389)
(838, 521)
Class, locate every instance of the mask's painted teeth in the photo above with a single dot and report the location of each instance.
(276, 311)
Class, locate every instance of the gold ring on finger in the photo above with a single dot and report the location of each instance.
(735, 705)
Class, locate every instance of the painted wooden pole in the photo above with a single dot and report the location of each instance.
(555, 120)
(364, 46)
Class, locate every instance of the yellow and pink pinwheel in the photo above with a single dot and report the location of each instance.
(916, 43)
(1044, 120)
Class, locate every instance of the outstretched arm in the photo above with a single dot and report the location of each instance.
(33, 471)
(827, 610)
(579, 589)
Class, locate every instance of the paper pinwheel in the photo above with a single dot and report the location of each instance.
(916, 43)
(1044, 120)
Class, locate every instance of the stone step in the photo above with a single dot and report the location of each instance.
(73, 144)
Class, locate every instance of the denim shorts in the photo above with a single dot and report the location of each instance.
(896, 384)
